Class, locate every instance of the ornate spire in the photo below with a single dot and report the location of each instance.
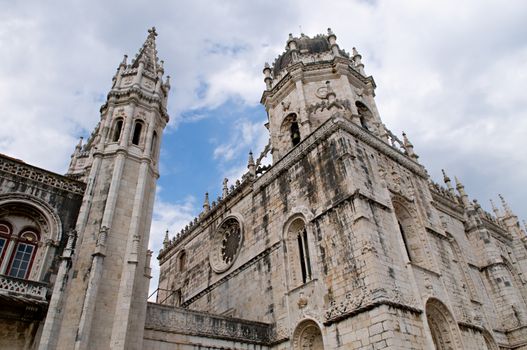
(462, 193)
(225, 187)
(505, 206)
(495, 209)
(357, 60)
(206, 203)
(448, 183)
(147, 53)
(409, 147)
(250, 164)
(166, 241)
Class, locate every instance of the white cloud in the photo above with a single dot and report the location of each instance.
(167, 216)
(450, 73)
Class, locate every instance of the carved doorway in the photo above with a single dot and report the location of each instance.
(308, 336)
(442, 326)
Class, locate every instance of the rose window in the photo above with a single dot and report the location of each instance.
(226, 244)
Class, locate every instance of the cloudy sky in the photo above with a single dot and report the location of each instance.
(451, 74)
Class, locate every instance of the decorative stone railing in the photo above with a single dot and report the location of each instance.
(184, 321)
(17, 286)
(18, 168)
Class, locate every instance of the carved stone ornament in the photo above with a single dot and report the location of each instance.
(226, 244)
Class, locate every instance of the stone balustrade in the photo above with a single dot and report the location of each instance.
(12, 285)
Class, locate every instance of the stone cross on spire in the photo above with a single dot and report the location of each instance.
(148, 53)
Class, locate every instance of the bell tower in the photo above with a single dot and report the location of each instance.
(99, 299)
(311, 81)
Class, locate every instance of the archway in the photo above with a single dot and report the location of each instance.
(445, 333)
(307, 336)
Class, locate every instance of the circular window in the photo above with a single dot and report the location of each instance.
(226, 244)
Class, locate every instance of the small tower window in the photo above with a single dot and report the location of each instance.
(137, 133)
(117, 130)
(365, 114)
(295, 133)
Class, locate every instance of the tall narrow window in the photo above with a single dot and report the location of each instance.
(153, 147)
(137, 133)
(403, 235)
(295, 133)
(24, 253)
(303, 253)
(298, 254)
(117, 130)
(182, 261)
(5, 232)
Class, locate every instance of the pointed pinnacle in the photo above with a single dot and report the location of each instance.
(495, 209)
(166, 240)
(206, 204)
(446, 179)
(225, 187)
(79, 145)
(505, 205)
(250, 162)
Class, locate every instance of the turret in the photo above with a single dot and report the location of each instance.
(313, 80)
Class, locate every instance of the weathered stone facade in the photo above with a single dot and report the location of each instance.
(343, 242)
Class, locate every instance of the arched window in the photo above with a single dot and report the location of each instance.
(365, 115)
(409, 231)
(295, 133)
(117, 130)
(299, 256)
(5, 234)
(22, 258)
(290, 132)
(182, 261)
(138, 127)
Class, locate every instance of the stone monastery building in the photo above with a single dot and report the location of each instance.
(344, 242)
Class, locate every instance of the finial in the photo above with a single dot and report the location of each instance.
(152, 31)
(167, 82)
(268, 78)
(125, 60)
(225, 187)
(495, 209)
(250, 165)
(330, 32)
(166, 241)
(448, 183)
(206, 204)
(290, 36)
(505, 206)
(357, 61)
(79, 144)
(409, 147)
(458, 183)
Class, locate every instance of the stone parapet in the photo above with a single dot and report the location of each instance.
(189, 322)
(20, 169)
